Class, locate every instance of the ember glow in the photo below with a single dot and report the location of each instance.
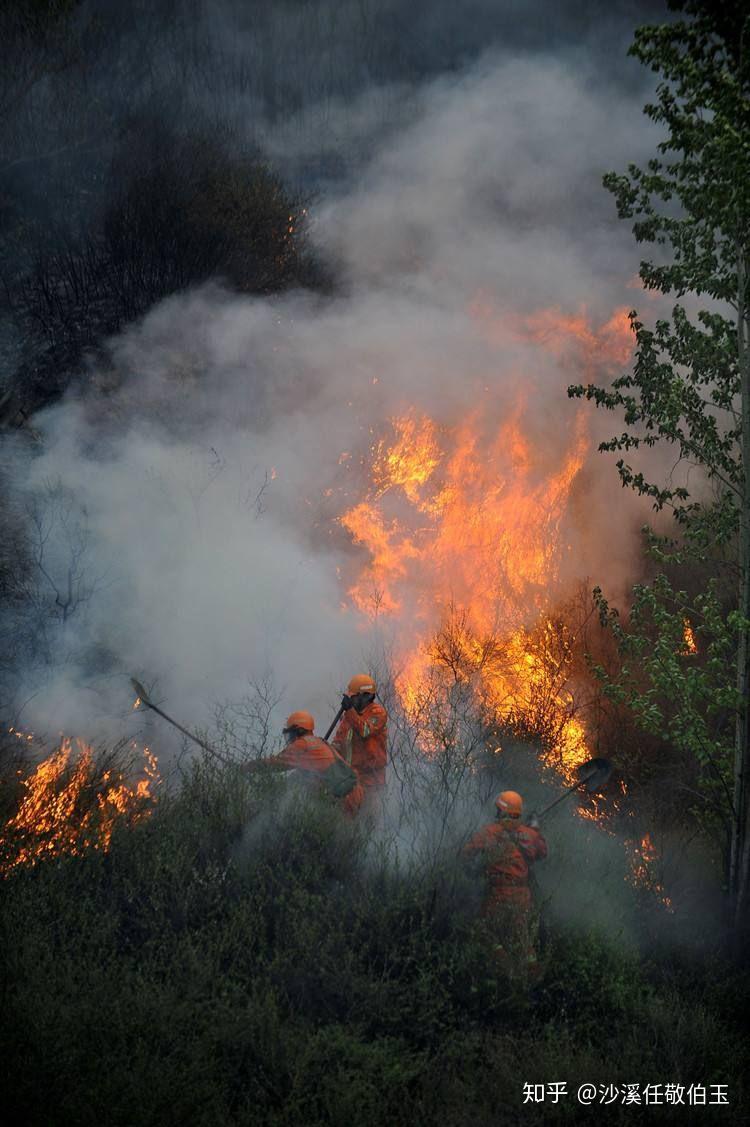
(462, 537)
(689, 645)
(27, 736)
(644, 869)
(71, 804)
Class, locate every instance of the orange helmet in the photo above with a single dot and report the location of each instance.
(361, 683)
(300, 720)
(509, 803)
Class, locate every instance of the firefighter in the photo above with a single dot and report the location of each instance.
(508, 848)
(362, 735)
(315, 762)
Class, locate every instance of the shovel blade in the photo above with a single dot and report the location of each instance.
(594, 774)
(140, 691)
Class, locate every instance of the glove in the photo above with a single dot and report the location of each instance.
(533, 822)
(346, 703)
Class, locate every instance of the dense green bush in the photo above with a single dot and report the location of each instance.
(245, 956)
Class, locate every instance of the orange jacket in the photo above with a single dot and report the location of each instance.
(510, 848)
(361, 738)
(313, 757)
(307, 753)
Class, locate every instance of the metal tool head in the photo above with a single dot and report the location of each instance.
(594, 774)
(140, 691)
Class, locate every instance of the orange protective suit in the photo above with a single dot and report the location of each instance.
(312, 757)
(510, 848)
(361, 738)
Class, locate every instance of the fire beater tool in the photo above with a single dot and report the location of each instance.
(141, 692)
(592, 775)
(334, 722)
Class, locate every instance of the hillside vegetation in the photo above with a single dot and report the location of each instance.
(244, 956)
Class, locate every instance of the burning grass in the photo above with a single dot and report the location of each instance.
(71, 802)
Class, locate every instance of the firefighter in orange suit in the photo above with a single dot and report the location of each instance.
(508, 848)
(315, 762)
(362, 735)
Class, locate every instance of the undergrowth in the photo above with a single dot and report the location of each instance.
(247, 957)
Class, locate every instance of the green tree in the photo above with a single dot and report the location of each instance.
(690, 389)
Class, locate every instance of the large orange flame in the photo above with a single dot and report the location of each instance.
(461, 531)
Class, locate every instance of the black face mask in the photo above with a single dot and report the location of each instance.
(361, 700)
(292, 734)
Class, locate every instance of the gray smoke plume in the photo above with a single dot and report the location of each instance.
(183, 505)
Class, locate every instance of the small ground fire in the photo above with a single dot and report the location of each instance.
(71, 802)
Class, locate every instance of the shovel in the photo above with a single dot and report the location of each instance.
(592, 775)
(144, 698)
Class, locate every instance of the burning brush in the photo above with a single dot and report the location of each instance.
(71, 805)
(592, 776)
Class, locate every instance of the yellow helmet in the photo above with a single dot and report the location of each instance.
(300, 719)
(509, 803)
(361, 683)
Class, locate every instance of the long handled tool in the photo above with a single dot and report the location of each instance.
(334, 722)
(144, 699)
(592, 775)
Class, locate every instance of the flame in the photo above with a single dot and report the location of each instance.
(410, 460)
(70, 806)
(555, 331)
(566, 336)
(484, 528)
(689, 645)
(643, 865)
(461, 535)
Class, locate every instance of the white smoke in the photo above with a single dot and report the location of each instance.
(198, 466)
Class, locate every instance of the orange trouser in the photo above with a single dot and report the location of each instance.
(352, 804)
(515, 897)
(509, 915)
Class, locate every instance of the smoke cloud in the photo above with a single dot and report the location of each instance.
(191, 488)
